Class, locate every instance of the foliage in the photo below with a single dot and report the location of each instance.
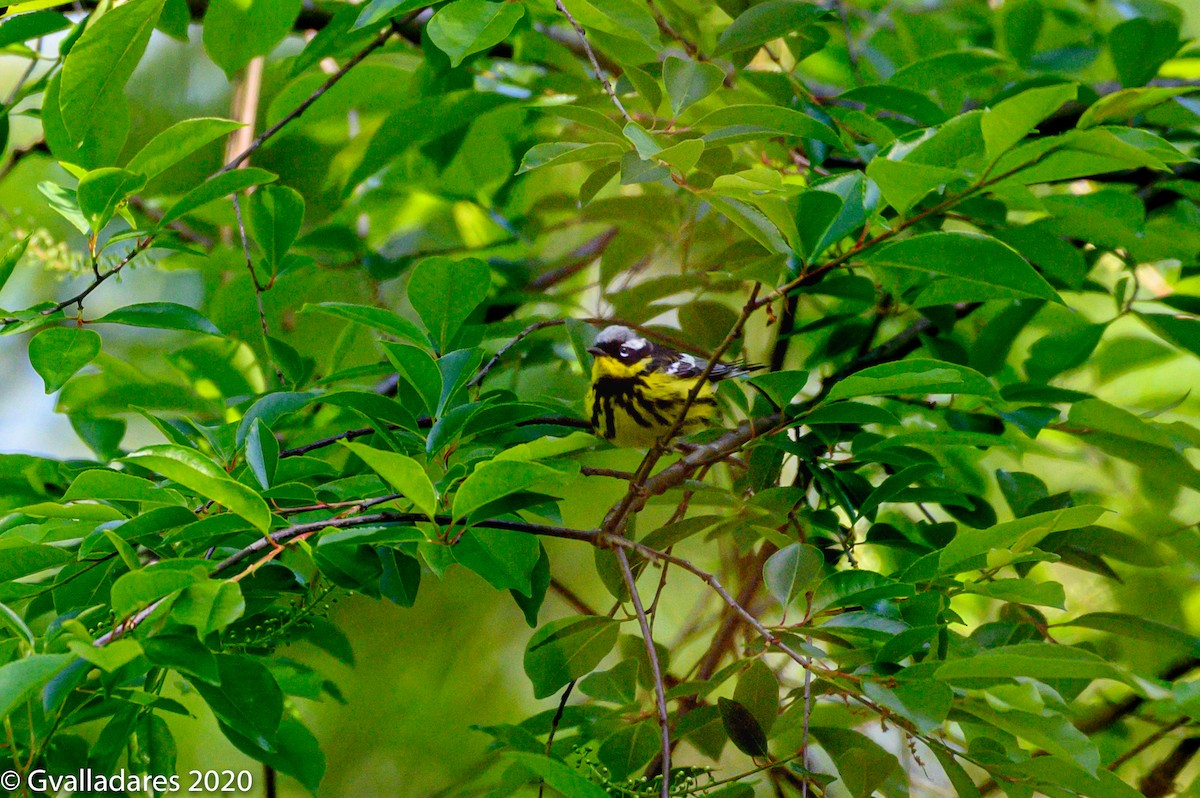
(963, 238)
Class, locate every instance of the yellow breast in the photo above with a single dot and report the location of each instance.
(631, 406)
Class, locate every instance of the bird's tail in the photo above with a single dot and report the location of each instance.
(725, 371)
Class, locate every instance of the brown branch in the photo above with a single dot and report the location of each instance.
(578, 260)
(572, 598)
(587, 46)
(1160, 781)
(660, 695)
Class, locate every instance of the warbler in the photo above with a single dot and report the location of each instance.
(639, 388)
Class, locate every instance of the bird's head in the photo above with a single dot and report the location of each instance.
(620, 344)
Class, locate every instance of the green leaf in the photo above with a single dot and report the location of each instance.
(100, 63)
(494, 480)
(1062, 350)
(57, 353)
(834, 209)
(102, 484)
(445, 292)
(743, 729)
(19, 680)
(558, 153)
(792, 571)
(247, 697)
(208, 606)
(688, 82)
(20, 558)
(102, 144)
(215, 188)
(766, 22)
(567, 649)
(403, 473)
(863, 764)
(19, 28)
(1053, 733)
(139, 588)
(401, 576)
(771, 119)
(1014, 118)
(1140, 46)
(630, 748)
(377, 11)
(176, 143)
(1136, 627)
(109, 658)
(1182, 332)
(904, 183)
(894, 486)
(850, 413)
(469, 26)
(155, 744)
(417, 367)
(101, 192)
(376, 318)
(757, 690)
(272, 407)
(65, 203)
(196, 472)
(1128, 103)
(161, 316)
(504, 558)
(235, 31)
(292, 750)
(183, 653)
(1018, 535)
(262, 453)
(982, 267)
(10, 259)
(924, 702)
(539, 583)
(557, 776)
(276, 214)
(913, 376)
(617, 684)
(781, 387)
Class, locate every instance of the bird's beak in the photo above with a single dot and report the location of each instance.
(595, 350)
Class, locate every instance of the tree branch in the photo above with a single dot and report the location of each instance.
(660, 696)
(587, 46)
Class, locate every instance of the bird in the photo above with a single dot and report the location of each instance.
(639, 388)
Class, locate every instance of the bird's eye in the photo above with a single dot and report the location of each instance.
(626, 351)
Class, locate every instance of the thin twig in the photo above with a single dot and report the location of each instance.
(522, 335)
(660, 695)
(330, 82)
(258, 291)
(587, 46)
(557, 719)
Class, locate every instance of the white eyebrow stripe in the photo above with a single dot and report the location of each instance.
(637, 343)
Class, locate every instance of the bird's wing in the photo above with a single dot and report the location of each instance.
(683, 366)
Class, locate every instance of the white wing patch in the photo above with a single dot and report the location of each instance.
(685, 365)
